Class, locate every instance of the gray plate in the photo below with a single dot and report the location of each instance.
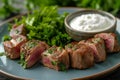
(39, 72)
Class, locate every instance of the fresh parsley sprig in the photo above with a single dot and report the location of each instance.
(46, 24)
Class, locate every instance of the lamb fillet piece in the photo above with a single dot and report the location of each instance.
(18, 30)
(69, 49)
(97, 45)
(111, 42)
(12, 47)
(81, 56)
(31, 52)
(56, 58)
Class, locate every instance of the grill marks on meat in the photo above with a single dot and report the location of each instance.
(12, 47)
(18, 30)
(111, 42)
(32, 51)
(81, 56)
(56, 58)
(97, 45)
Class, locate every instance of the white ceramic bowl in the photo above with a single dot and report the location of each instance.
(80, 35)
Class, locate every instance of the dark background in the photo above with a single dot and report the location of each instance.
(9, 8)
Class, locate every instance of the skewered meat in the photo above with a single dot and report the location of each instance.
(17, 30)
(111, 42)
(97, 45)
(31, 52)
(56, 58)
(12, 47)
(81, 56)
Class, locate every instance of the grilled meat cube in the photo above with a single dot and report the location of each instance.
(82, 56)
(69, 49)
(111, 41)
(98, 46)
(56, 58)
(31, 52)
(12, 47)
(18, 30)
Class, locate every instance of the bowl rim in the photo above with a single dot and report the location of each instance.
(94, 11)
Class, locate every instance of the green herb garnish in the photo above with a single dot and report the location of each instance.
(19, 39)
(50, 51)
(31, 44)
(17, 31)
(69, 45)
(6, 38)
(62, 66)
(54, 63)
(60, 48)
(2, 53)
(95, 40)
(22, 61)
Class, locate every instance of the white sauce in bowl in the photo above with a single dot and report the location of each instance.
(90, 22)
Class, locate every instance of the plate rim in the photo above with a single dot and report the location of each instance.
(102, 73)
